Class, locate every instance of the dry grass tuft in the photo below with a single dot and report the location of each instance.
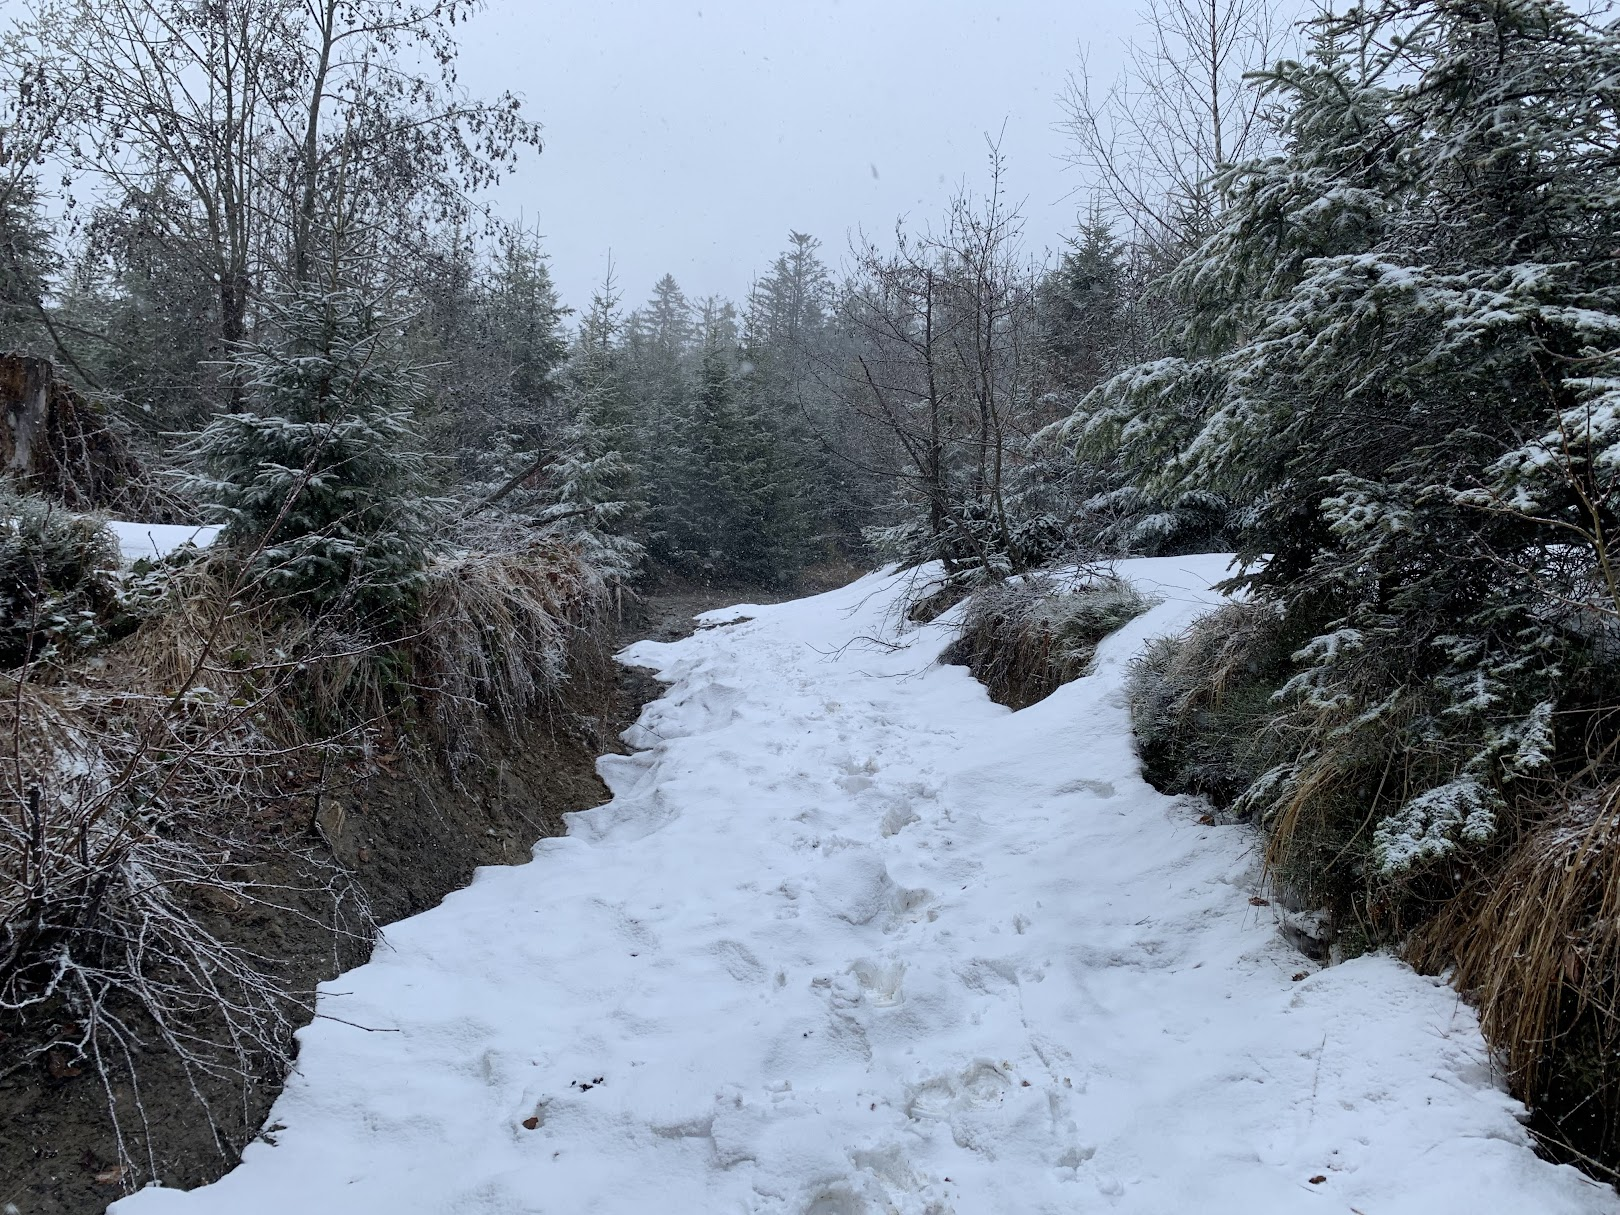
(1025, 639)
(1215, 656)
(1537, 946)
(500, 635)
(493, 636)
(306, 678)
(1200, 699)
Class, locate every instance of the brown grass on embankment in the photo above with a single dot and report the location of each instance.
(1024, 639)
(198, 819)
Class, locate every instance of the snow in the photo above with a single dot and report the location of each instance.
(1429, 826)
(153, 540)
(851, 939)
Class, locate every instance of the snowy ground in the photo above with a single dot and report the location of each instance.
(153, 540)
(849, 939)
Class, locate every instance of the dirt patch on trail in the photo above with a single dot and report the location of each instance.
(667, 612)
(397, 836)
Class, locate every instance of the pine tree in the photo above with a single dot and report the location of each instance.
(1398, 356)
(1401, 356)
(658, 378)
(319, 481)
(789, 349)
(595, 478)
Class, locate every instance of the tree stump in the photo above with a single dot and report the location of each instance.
(56, 443)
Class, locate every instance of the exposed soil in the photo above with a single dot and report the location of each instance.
(399, 837)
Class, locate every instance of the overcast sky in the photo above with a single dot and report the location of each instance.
(689, 137)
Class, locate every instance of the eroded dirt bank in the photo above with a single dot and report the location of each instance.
(403, 834)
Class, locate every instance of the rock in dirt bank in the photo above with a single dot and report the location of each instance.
(851, 938)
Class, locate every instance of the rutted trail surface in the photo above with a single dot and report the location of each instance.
(851, 938)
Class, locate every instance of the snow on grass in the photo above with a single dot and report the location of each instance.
(153, 540)
(853, 939)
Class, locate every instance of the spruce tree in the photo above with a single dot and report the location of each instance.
(1081, 304)
(789, 348)
(521, 318)
(595, 478)
(729, 513)
(1399, 358)
(491, 325)
(319, 481)
(658, 354)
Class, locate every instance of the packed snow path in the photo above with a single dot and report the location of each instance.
(850, 939)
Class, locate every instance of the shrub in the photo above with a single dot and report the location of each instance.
(58, 585)
(1221, 712)
(129, 810)
(1369, 811)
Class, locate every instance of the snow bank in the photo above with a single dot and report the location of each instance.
(153, 540)
(852, 939)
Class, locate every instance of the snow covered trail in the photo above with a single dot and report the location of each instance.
(852, 939)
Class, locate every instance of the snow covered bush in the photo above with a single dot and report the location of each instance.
(58, 581)
(981, 546)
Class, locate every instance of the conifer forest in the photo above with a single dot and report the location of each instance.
(337, 545)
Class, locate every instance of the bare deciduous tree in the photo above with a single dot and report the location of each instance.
(264, 126)
(941, 326)
(1150, 143)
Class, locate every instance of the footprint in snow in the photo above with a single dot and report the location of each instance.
(855, 886)
(739, 961)
(837, 1200)
(988, 976)
(890, 1166)
(1101, 789)
(981, 1083)
(880, 982)
(866, 982)
(897, 818)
